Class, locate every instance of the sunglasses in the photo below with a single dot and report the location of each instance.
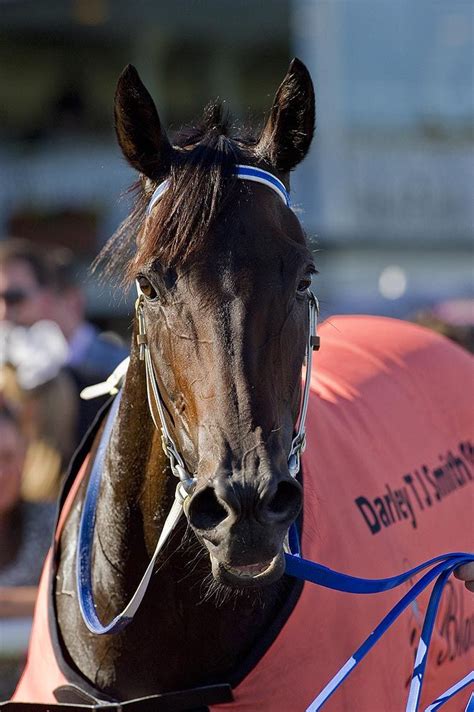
(13, 297)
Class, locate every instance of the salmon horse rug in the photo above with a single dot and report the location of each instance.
(388, 482)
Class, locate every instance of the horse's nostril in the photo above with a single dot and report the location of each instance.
(286, 502)
(205, 511)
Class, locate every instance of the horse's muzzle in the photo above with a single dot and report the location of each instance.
(244, 526)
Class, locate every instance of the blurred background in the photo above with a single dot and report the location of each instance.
(385, 195)
(386, 192)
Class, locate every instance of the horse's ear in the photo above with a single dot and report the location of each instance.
(288, 133)
(137, 125)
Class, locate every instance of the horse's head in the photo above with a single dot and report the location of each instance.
(224, 270)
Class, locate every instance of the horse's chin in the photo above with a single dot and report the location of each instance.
(249, 576)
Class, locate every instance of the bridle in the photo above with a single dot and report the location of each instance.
(186, 481)
(157, 408)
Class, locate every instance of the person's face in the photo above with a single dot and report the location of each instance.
(22, 300)
(11, 465)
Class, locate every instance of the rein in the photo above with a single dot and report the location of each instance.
(440, 568)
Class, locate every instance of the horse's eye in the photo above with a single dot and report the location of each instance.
(147, 288)
(304, 284)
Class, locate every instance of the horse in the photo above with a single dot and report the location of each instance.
(223, 325)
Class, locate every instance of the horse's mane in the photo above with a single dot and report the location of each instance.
(202, 165)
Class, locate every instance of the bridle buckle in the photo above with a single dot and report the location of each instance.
(141, 336)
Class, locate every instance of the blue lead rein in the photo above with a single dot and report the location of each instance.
(86, 535)
(441, 568)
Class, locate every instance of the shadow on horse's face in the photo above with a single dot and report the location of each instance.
(227, 326)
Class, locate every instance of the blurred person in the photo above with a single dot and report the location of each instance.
(32, 353)
(26, 294)
(25, 536)
(453, 318)
(48, 416)
(36, 287)
(25, 527)
(92, 355)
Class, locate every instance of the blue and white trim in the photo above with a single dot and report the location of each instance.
(258, 175)
(251, 173)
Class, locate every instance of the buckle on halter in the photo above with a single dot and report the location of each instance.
(166, 445)
(303, 443)
(141, 336)
(186, 482)
(294, 463)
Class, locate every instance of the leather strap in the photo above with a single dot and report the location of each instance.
(72, 699)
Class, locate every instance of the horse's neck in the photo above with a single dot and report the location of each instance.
(200, 634)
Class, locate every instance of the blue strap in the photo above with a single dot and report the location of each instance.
(323, 576)
(425, 639)
(86, 535)
(470, 704)
(259, 175)
(294, 543)
(441, 568)
(446, 696)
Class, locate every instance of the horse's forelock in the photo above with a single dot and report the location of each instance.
(179, 226)
(202, 166)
